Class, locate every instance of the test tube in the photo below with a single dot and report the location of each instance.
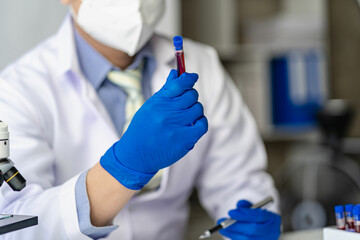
(356, 214)
(179, 54)
(349, 218)
(340, 218)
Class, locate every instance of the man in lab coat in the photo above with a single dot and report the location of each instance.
(86, 179)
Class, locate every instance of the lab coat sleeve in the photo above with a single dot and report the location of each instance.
(234, 165)
(83, 210)
(53, 203)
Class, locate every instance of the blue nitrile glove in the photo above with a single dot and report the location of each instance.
(252, 224)
(162, 131)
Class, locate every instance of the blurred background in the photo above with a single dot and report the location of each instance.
(297, 65)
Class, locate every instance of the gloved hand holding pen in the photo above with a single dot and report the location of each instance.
(252, 224)
(162, 131)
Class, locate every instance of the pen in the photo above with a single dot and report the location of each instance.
(228, 222)
(5, 216)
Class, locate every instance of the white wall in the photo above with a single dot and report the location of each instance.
(307, 8)
(25, 23)
(170, 24)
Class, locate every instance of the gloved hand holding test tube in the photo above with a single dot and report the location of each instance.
(230, 221)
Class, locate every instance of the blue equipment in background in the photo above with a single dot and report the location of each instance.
(298, 89)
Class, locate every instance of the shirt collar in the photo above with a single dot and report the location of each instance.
(65, 45)
(95, 67)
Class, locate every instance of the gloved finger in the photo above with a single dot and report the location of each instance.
(195, 132)
(195, 112)
(243, 204)
(251, 215)
(171, 77)
(175, 87)
(185, 101)
(188, 116)
(257, 229)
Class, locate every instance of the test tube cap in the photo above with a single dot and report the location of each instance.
(356, 211)
(339, 209)
(349, 207)
(178, 42)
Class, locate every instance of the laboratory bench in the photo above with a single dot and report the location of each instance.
(316, 234)
(328, 233)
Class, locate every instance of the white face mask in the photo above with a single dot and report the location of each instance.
(125, 25)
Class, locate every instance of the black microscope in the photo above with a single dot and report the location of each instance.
(9, 174)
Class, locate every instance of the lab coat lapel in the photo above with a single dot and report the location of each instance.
(70, 67)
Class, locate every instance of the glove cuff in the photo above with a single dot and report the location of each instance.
(129, 178)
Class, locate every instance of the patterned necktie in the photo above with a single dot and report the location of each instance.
(130, 82)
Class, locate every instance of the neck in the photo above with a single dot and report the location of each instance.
(116, 57)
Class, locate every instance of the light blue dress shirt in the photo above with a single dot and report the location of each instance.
(95, 68)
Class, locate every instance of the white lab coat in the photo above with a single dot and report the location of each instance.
(59, 128)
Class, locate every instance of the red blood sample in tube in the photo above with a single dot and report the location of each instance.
(179, 54)
(180, 62)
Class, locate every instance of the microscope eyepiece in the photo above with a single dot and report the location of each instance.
(15, 180)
